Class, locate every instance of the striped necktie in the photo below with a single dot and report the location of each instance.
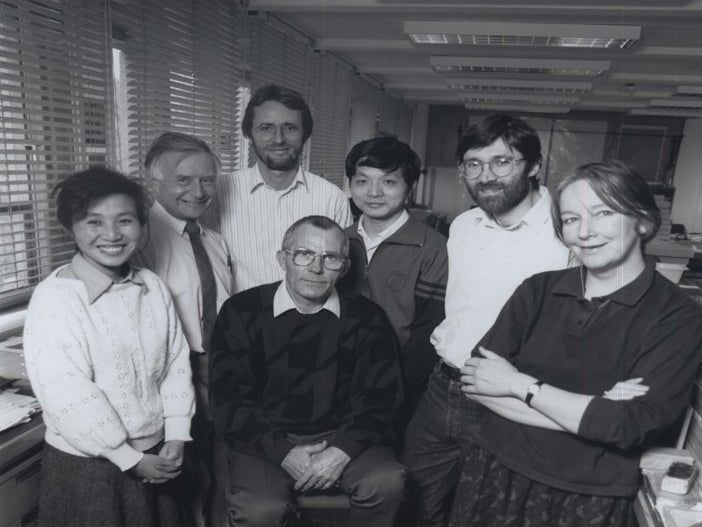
(208, 287)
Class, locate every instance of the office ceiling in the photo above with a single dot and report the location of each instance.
(516, 54)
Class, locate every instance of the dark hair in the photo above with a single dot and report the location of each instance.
(80, 191)
(287, 97)
(321, 222)
(620, 187)
(387, 154)
(516, 134)
(177, 142)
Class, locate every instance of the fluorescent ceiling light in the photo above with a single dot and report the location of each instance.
(506, 107)
(517, 98)
(519, 86)
(518, 34)
(519, 65)
(686, 90)
(666, 112)
(675, 103)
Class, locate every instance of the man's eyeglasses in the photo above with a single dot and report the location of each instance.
(304, 257)
(500, 166)
(268, 131)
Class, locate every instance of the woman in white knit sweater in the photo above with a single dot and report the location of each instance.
(109, 363)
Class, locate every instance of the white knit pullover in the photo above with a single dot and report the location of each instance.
(113, 376)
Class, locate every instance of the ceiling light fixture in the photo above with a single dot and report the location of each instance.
(519, 86)
(667, 112)
(680, 102)
(518, 98)
(519, 65)
(522, 34)
(688, 90)
(520, 107)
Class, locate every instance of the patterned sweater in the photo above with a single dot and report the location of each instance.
(303, 374)
(112, 373)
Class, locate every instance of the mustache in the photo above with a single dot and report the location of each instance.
(491, 185)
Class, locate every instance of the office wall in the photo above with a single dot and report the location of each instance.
(687, 202)
(567, 141)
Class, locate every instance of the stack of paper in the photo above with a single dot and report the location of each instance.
(16, 409)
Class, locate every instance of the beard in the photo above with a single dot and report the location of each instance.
(502, 197)
(275, 163)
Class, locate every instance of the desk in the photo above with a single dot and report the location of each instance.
(645, 514)
(20, 460)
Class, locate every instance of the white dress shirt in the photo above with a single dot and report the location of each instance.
(373, 242)
(282, 302)
(169, 254)
(486, 264)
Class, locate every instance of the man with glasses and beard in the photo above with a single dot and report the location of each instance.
(257, 204)
(305, 384)
(491, 250)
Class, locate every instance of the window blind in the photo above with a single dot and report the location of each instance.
(183, 72)
(54, 119)
(279, 57)
(331, 107)
(364, 111)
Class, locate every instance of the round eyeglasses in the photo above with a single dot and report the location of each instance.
(268, 131)
(500, 166)
(304, 257)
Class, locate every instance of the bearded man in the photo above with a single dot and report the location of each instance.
(491, 250)
(256, 205)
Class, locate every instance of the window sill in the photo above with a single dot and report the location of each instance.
(11, 322)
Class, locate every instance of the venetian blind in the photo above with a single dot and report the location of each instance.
(54, 119)
(331, 107)
(364, 111)
(183, 72)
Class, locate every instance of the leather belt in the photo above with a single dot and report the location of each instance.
(449, 371)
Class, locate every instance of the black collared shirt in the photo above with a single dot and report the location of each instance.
(548, 329)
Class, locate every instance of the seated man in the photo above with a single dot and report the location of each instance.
(305, 384)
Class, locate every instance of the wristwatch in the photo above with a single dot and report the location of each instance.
(532, 391)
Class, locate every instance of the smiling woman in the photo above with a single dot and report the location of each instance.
(96, 328)
(552, 367)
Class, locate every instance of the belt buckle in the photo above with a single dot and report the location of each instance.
(451, 372)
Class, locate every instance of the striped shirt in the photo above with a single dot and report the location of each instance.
(254, 217)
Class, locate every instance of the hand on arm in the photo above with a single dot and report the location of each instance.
(496, 383)
(298, 460)
(173, 450)
(495, 376)
(626, 390)
(324, 470)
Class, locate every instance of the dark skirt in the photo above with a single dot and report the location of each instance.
(92, 492)
(489, 494)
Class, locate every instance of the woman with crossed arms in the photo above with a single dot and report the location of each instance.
(554, 450)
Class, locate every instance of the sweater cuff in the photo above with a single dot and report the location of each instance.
(348, 445)
(177, 429)
(124, 456)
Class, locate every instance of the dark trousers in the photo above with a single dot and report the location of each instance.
(437, 438)
(201, 486)
(262, 494)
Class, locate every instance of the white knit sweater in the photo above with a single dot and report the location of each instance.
(113, 376)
